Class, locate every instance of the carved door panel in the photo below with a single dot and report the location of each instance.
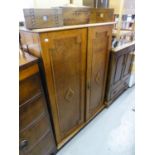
(99, 39)
(122, 69)
(128, 62)
(118, 69)
(66, 59)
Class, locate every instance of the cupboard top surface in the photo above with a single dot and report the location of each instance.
(66, 27)
(26, 59)
(123, 46)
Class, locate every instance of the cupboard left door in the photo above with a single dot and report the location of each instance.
(64, 58)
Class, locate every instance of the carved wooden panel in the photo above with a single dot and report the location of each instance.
(119, 67)
(98, 78)
(67, 53)
(69, 94)
(119, 72)
(128, 63)
(98, 55)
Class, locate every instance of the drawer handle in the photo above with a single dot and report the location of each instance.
(101, 15)
(23, 144)
(46, 40)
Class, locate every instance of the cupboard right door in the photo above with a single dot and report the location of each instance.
(99, 43)
(118, 72)
(128, 64)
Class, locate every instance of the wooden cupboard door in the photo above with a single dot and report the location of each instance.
(66, 61)
(122, 69)
(127, 64)
(118, 69)
(99, 43)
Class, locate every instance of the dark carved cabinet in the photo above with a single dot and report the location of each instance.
(119, 71)
(36, 135)
(75, 62)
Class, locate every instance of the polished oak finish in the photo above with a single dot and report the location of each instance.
(65, 54)
(99, 44)
(119, 72)
(29, 87)
(34, 124)
(75, 63)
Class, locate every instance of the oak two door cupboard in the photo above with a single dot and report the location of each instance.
(75, 63)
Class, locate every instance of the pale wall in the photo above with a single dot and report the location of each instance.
(50, 3)
(128, 7)
(24, 4)
(115, 4)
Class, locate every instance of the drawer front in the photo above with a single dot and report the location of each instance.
(74, 16)
(119, 89)
(44, 147)
(126, 82)
(33, 133)
(30, 111)
(104, 16)
(29, 88)
(101, 15)
(43, 18)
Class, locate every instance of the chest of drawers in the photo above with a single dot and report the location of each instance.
(35, 132)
